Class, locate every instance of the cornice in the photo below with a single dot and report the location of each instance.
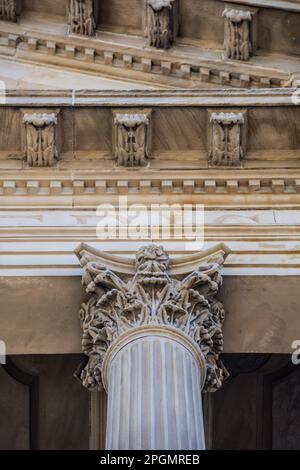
(214, 97)
(242, 188)
(235, 234)
(41, 243)
(186, 66)
(268, 176)
(44, 255)
(292, 5)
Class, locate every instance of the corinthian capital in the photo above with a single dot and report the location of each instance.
(152, 291)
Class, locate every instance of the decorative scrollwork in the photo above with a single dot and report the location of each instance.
(82, 17)
(151, 297)
(238, 40)
(41, 148)
(161, 16)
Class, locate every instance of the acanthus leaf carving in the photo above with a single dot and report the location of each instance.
(151, 296)
(238, 34)
(82, 17)
(132, 138)
(8, 10)
(226, 139)
(162, 18)
(41, 145)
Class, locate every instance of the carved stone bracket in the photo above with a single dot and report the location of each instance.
(238, 41)
(226, 138)
(152, 291)
(40, 138)
(82, 17)
(8, 10)
(132, 138)
(162, 22)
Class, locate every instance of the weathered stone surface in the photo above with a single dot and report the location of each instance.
(82, 17)
(41, 145)
(237, 38)
(8, 10)
(196, 28)
(161, 22)
(132, 138)
(226, 144)
(150, 297)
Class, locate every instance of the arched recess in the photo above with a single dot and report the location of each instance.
(29, 397)
(258, 407)
(279, 405)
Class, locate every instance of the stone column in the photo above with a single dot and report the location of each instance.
(154, 377)
(152, 338)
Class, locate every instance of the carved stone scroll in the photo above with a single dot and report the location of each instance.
(162, 22)
(41, 138)
(226, 139)
(238, 42)
(82, 17)
(8, 10)
(151, 297)
(132, 138)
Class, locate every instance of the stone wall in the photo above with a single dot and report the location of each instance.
(262, 314)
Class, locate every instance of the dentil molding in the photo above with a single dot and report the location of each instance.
(157, 52)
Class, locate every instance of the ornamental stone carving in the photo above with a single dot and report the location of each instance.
(162, 22)
(132, 138)
(41, 138)
(226, 139)
(82, 17)
(8, 10)
(238, 34)
(151, 292)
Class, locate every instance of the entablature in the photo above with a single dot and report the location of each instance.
(86, 190)
(42, 243)
(108, 37)
(229, 148)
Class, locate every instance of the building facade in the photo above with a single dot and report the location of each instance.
(126, 322)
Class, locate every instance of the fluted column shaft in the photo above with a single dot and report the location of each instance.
(154, 378)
